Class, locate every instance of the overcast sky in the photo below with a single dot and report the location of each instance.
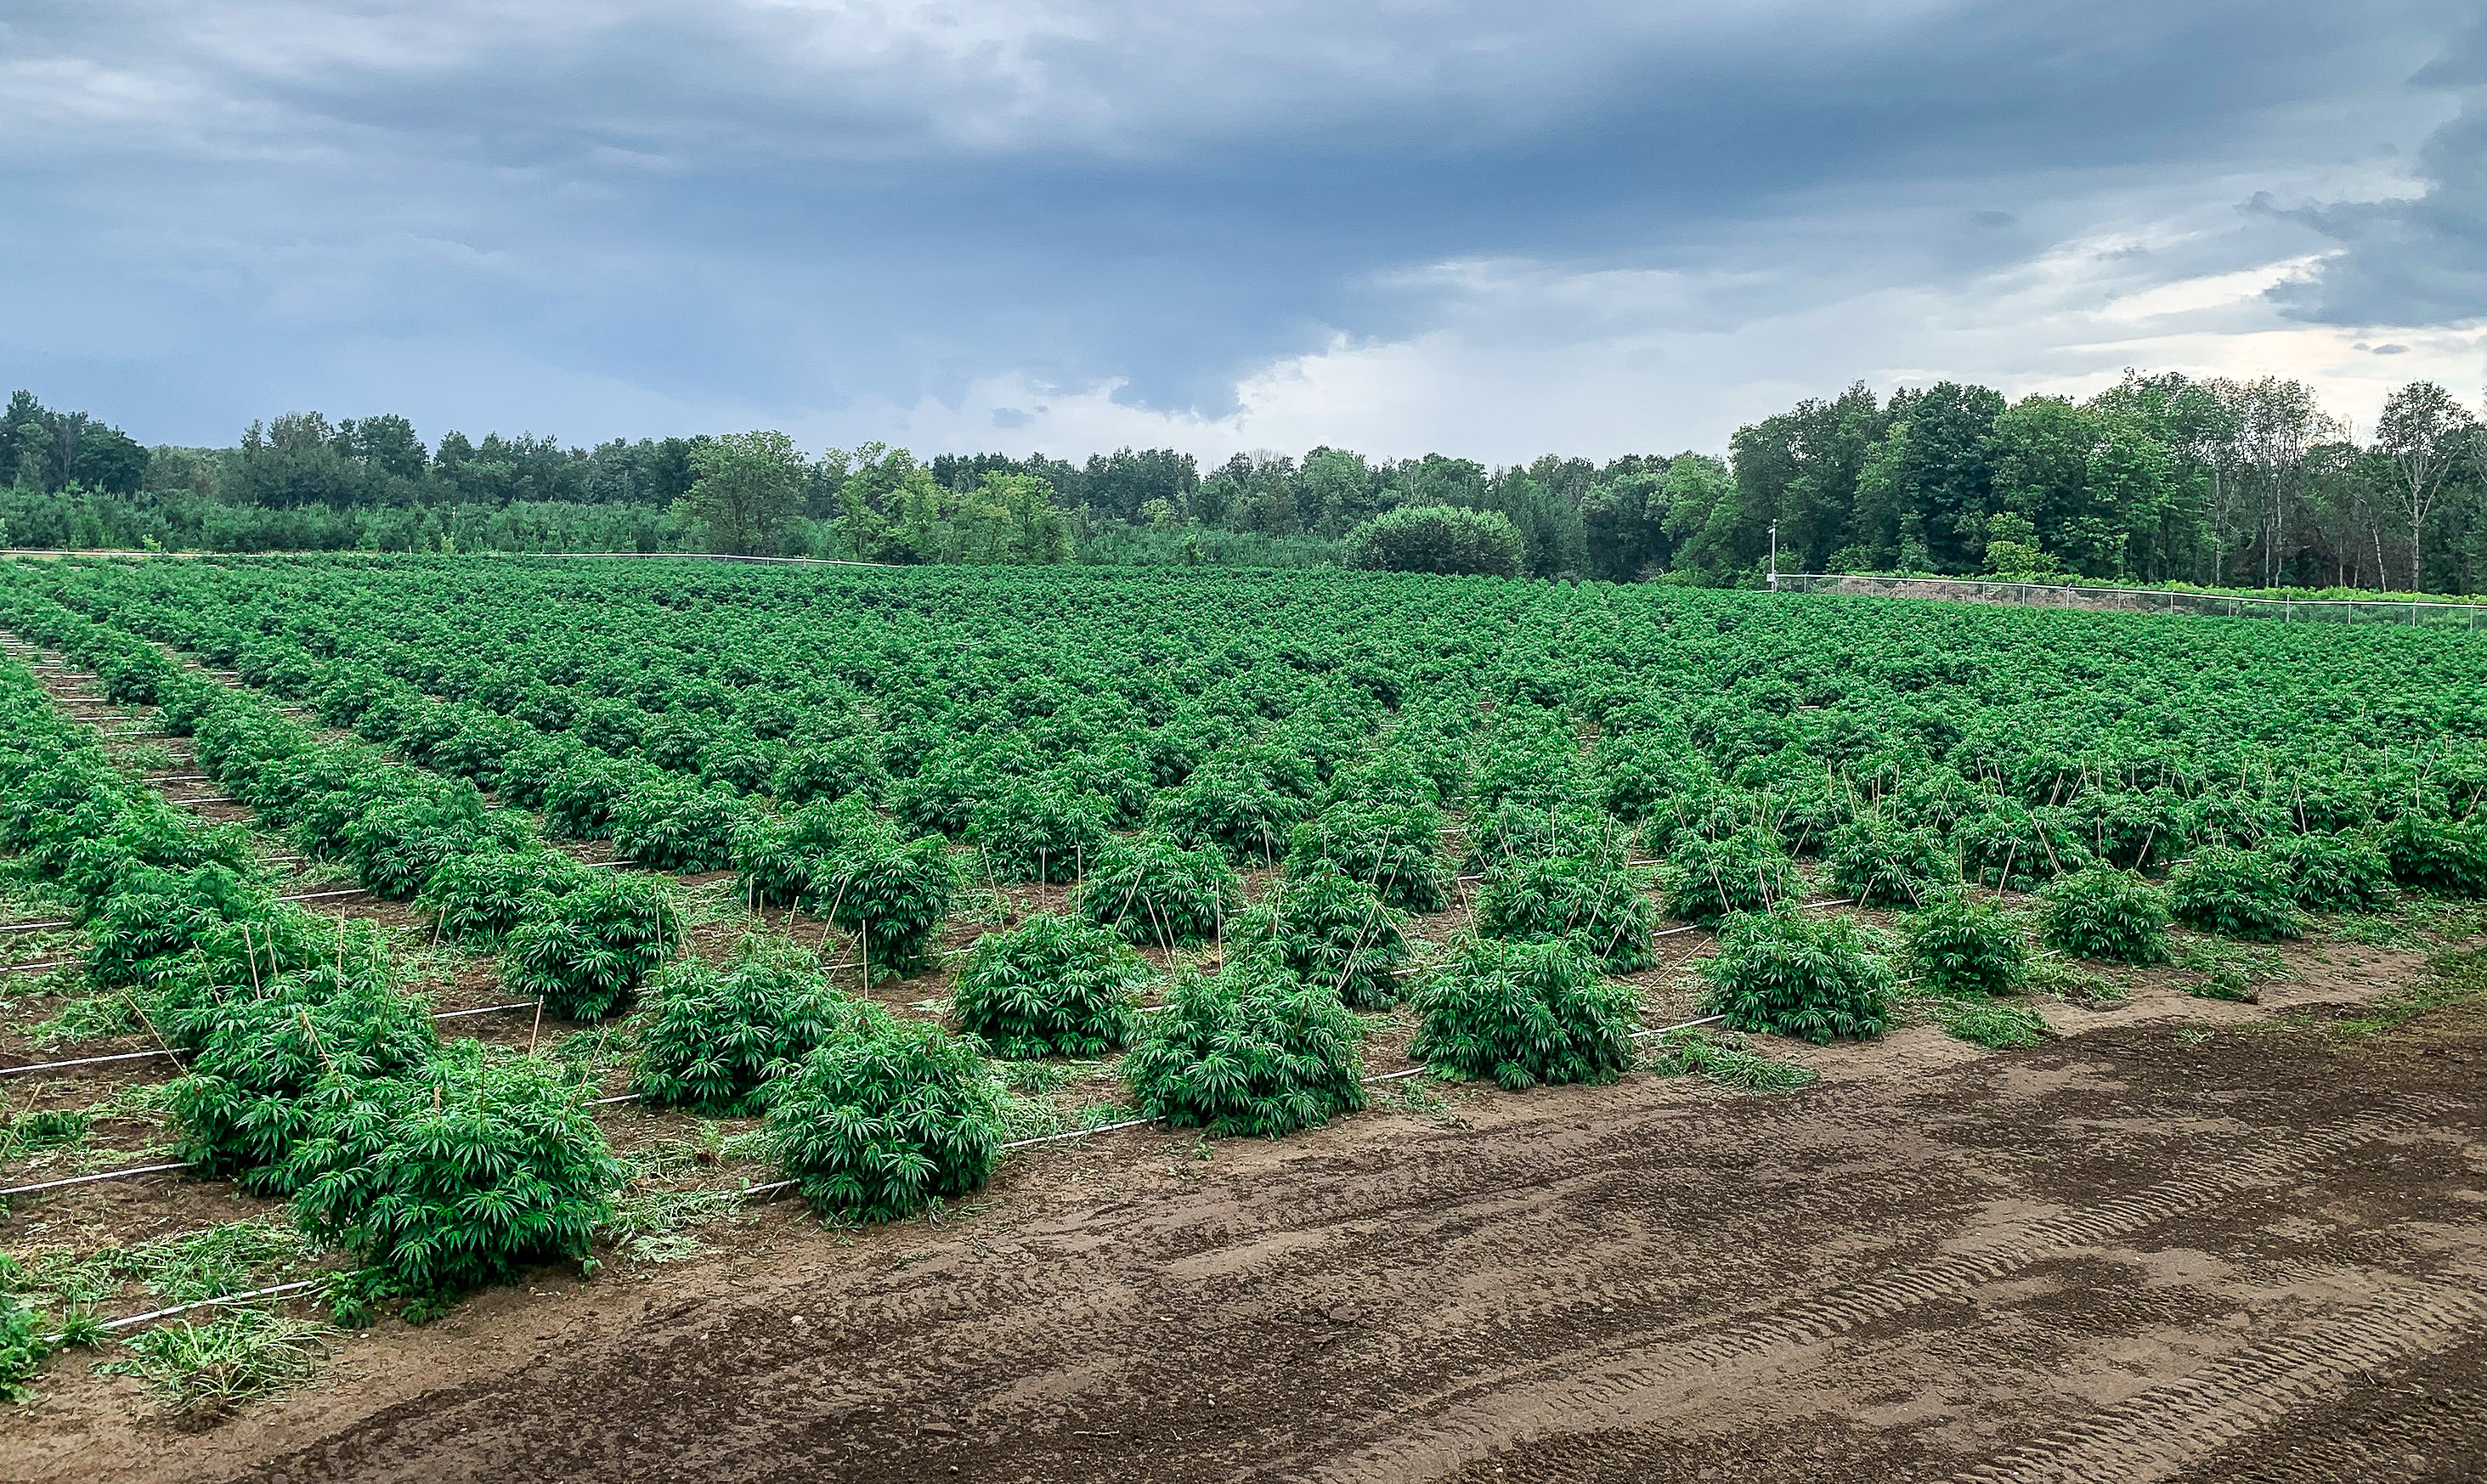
(1492, 229)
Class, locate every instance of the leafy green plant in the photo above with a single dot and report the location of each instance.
(887, 1118)
(1962, 948)
(451, 1178)
(1232, 806)
(1252, 1051)
(1729, 1060)
(586, 951)
(2102, 913)
(1705, 880)
(893, 896)
(1524, 1013)
(677, 824)
(1154, 892)
(723, 1041)
(26, 1342)
(2240, 893)
(1816, 978)
(2332, 873)
(478, 898)
(1393, 848)
(1882, 864)
(1039, 833)
(1602, 905)
(1053, 986)
(240, 1105)
(2439, 854)
(1328, 929)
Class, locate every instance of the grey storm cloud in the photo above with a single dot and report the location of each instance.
(640, 216)
(2416, 260)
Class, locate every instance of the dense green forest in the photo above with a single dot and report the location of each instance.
(2161, 479)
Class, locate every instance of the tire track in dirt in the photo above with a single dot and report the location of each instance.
(2158, 1433)
(1597, 1387)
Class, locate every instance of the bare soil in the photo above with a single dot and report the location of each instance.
(2188, 1241)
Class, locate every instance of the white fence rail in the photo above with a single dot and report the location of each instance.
(2296, 610)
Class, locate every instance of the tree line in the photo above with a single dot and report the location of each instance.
(2160, 479)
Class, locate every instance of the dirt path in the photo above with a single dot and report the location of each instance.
(2135, 1253)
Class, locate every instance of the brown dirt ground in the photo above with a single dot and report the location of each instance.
(2185, 1241)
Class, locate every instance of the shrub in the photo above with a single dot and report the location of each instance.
(1813, 978)
(1704, 880)
(585, 951)
(1881, 865)
(1053, 986)
(241, 1107)
(783, 859)
(1230, 806)
(1325, 928)
(2235, 892)
(1396, 850)
(677, 824)
(893, 894)
(1436, 538)
(831, 770)
(162, 916)
(398, 843)
(2437, 854)
(1152, 890)
(1253, 1051)
(721, 1040)
(478, 898)
(1522, 832)
(1962, 948)
(1602, 906)
(1039, 833)
(885, 1118)
(456, 1176)
(1524, 1013)
(579, 798)
(2102, 913)
(2332, 873)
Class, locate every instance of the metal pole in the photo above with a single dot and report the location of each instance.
(1775, 555)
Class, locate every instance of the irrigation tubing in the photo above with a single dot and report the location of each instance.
(109, 1174)
(279, 1291)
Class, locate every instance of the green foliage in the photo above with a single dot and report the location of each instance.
(723, 1040)
(1053, 986)
(1983, 1023)
(1881, 865)
(2221, 888)
(1525, 1013)
(584, 952)
(1233, 808)
(1153, 892)
(2102, 913)
(240, 1106)
(25, 1344)
(237, 1356)
(887, 1118)
(893, 896)
(1039, 833)
(1705, 880)
(2439, 854)
(453, 1176)
(1253, 1051)
(1601, 905)
(1393, 848)
(1729, 1060)
(1330, 929)
(677, 824)
(1816, 977)
(1436, 538)
(2332, 873)
(1960, 948)
(478, 898)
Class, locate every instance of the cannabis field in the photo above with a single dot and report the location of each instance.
(458, 915)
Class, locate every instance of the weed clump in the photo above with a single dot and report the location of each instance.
(1053, 986)
(2102, 913)
(1729, 1060)
(1984, 1023)
(1816, 978)
(1525, 1013)
(1252, 1051)
(887, 1118)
